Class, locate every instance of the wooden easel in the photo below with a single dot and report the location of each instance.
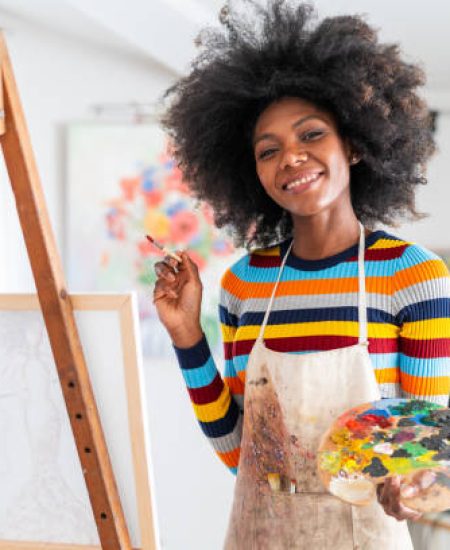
(58, 314)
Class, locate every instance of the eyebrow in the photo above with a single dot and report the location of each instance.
(294, 125)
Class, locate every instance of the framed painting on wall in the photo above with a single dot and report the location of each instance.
(122, 185)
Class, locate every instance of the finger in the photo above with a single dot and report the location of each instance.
(171, 261)
(390, 488)
(426, 479)
(389, 497)
(407, 513)
(189, 264)
(158, 297)
(390, 500)
(168, 293)
(409, 490)
(421, 482)
(161, 289)
(158, 292)
(162, 270)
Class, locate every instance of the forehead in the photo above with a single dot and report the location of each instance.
(287, 111)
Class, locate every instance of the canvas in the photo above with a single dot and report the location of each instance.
(44, 498)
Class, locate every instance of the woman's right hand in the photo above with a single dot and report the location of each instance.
(177, 296)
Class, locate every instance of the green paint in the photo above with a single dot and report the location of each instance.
(422, 464)
(414, 449)
(413, 408)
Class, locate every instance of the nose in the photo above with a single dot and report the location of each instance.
(293, 159)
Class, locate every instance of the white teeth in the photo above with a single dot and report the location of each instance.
(302, 181)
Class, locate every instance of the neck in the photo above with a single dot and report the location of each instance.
(318, 237)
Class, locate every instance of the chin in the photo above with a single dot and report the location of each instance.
(308, 212)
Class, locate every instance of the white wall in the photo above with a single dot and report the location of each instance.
(59, 80)
(434, 198)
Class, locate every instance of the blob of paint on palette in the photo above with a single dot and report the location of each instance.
(381, 439)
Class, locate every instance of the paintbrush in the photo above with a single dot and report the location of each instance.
(164, 249)
(274, 481)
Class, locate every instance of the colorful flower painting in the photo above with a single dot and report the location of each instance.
(122, 185)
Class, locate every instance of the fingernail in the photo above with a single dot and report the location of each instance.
(408, 491)
(427, 479)
(171, 277)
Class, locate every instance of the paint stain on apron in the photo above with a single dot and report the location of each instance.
(290, 400)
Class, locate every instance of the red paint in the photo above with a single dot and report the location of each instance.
(362, 425)
(358, 429)
(375, 420)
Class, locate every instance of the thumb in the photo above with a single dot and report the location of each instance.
(191, 266)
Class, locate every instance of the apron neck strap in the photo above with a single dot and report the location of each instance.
(362, 306)
(269, 307)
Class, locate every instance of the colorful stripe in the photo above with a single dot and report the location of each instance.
(316, 309)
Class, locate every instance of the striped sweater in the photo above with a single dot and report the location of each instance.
(316, 308)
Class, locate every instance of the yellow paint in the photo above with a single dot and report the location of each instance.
(330, 461)
(398, 465)
(341, 437)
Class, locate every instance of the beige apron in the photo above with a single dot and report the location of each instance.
(290, 400)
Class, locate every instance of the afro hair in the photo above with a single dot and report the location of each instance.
(280, 50)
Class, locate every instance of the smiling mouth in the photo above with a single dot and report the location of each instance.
(299, 182)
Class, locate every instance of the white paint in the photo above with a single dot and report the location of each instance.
(383, 448)
(353, 490)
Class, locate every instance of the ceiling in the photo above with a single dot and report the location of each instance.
(163, 30)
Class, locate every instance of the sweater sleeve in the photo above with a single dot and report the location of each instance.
(217, 410)
(422, 303)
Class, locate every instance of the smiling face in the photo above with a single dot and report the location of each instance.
(301, 161)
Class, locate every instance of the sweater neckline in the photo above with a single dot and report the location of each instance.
(314, 265)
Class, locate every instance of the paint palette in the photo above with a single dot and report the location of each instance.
(377, 440)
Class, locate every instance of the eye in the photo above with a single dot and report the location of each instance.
(266, 153)
(312, 135)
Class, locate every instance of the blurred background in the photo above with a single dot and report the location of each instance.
(91, 75)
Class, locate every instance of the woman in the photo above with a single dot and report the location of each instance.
(297, 135)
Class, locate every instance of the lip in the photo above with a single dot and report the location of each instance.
(300, 175)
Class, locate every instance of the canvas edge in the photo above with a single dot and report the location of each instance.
(134, 380)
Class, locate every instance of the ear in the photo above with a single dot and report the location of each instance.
(354, 159)
(352, 155)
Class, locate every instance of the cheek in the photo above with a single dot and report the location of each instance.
(340, 171)
(264, 174)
